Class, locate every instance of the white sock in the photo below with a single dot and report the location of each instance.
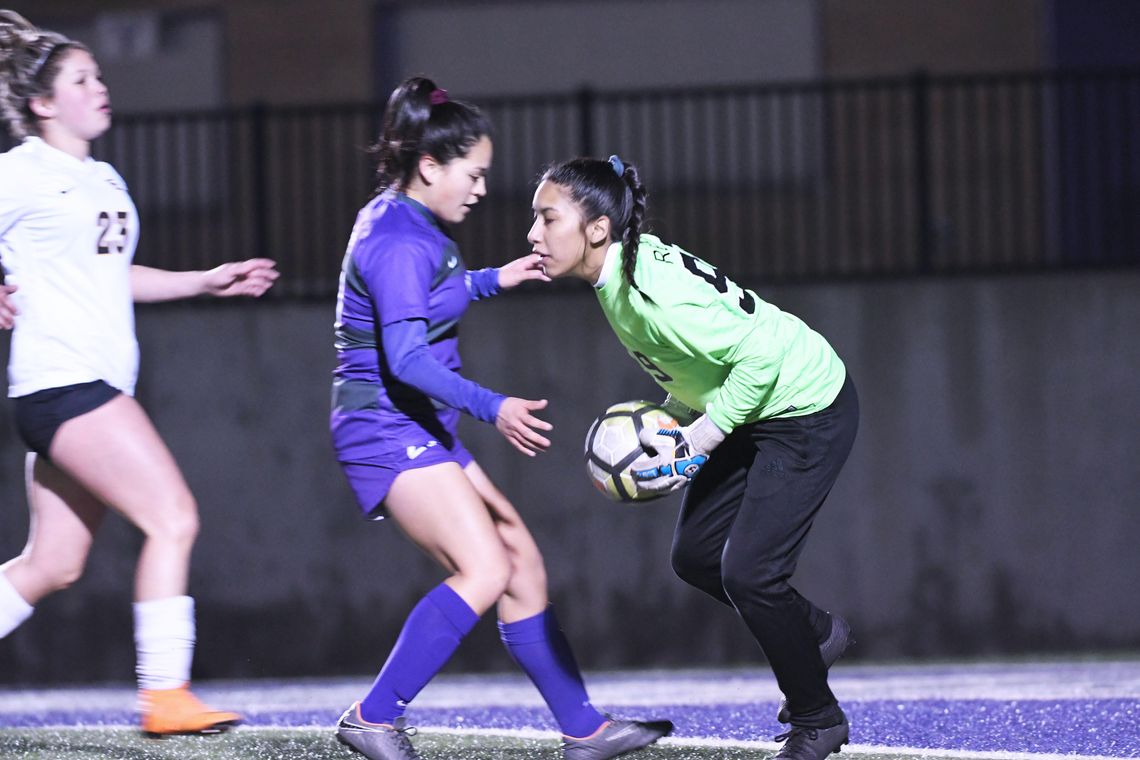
(164, 641)
(13, 608)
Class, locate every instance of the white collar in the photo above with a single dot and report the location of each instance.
(50, 153)
(607, 265)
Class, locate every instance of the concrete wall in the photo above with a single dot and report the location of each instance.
(298, 51)
(990, 505)
(497, 47)
(892, 37)
(306, 51)
(212, 54)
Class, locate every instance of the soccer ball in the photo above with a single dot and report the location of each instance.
(613, 449)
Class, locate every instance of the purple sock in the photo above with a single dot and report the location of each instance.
(540, 648)
(430, 636)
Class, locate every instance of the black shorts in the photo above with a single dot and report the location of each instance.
(40, 414)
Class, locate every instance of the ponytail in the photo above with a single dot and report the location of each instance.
(29, 63)
(631, 237)
(611, 189)
(420, 120)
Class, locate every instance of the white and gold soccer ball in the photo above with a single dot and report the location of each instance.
(613, 449)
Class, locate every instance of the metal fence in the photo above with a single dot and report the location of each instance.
(885, 177)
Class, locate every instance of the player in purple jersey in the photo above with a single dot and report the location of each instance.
(68, 230)
(397, 396)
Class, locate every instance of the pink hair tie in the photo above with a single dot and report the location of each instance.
(438, 97)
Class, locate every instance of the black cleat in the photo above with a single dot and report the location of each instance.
(811, 743)
(830, 650)
(614, 738)
(376, 741)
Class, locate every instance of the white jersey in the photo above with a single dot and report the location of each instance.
(68, 231)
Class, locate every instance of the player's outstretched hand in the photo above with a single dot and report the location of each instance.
(251, 277)
(520, 270)
(519, 426)
(8, 310)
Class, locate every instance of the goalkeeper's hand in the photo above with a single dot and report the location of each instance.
(681, 453)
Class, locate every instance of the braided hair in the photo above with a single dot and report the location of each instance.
(420, 120)
(607, 188)
(30, 59)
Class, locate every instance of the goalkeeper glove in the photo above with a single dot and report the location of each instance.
(681, 453)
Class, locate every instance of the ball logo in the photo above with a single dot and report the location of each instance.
(613, 449)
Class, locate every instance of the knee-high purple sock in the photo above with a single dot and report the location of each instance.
(430, 636)
(541, 650)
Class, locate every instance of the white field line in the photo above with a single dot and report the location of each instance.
(856, 683)
(700, 743)
(855, 749)
(527, 734)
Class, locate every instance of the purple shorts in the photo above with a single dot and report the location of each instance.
(373, 448)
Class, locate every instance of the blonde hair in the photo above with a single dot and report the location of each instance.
(29, 63)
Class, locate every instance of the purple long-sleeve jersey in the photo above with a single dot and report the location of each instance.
(401, 268)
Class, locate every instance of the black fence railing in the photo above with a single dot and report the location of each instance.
(902, 176)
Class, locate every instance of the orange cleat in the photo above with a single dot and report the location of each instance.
(178, 711)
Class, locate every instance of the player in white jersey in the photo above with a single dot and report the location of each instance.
(68, 230)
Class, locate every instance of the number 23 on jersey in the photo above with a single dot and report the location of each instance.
(113, 232)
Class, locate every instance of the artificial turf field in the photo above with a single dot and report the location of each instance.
(317, 744)
(1034, 710)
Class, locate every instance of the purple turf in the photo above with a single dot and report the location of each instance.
(1109, 727)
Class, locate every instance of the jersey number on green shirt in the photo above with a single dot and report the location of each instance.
(717, 279)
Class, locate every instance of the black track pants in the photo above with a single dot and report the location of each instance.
(742, 527)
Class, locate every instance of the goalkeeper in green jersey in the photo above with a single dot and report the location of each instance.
(768, 415)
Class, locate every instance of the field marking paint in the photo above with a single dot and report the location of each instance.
(707, 743)
(1119, 679)
(1077, 680)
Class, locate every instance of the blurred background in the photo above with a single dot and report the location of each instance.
(948, 190)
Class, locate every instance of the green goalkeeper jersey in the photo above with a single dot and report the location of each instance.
(713, 345)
